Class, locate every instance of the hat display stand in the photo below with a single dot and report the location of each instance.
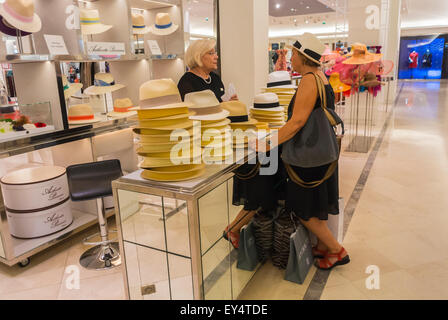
(361, 125)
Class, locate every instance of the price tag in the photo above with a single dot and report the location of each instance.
(106, 48)
(154, 47)
(56, 44)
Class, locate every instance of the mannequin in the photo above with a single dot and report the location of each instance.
(413, 62)
(427, 59)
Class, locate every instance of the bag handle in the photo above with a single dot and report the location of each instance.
(251, 174)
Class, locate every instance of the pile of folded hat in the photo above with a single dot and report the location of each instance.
(163, 117)
(280, 83)
(267, 109)
(243, 127)
(216, 136)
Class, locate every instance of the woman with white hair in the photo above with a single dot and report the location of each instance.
(202, 59)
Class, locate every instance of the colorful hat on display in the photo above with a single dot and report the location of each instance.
(9, 30)
(280, 79)
(160, 94)
(360, 55)
(163, 26)
(310, 46)
(238, 113)
(371, 80)
(81, 114)
(19, 14)
(103, 83)
(70, 88)
(337, 85)
(90, 22)
(206, 106)
(121, 108)
(138, 24)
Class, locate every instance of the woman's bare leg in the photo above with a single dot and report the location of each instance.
(320, 229)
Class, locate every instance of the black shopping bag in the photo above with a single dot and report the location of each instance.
(247, 250)
(300, 256)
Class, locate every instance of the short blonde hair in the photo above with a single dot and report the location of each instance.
(196, 51)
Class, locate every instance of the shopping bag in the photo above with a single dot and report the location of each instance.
(300, 256)
(247, 250)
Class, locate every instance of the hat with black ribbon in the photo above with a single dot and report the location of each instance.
(311, 47)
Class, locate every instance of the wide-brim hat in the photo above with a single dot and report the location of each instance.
(90, 22)
(254, 110)
(145, 148)
(211, 117)
(280, 79)
(138, 24)
(171, 126)
(9, 30)
(160, 123)
(360, 55)
(158, 138)
(238, 114)
(72, 88)
(81, 114)
(20, 15)
(146, 114)
(310, 46)
(174, 174)
(161, 94)
(163, 26)
(159, 131)
(117, 115)
(103, 83)
(216, 124)
(165, 160)
(337, 85)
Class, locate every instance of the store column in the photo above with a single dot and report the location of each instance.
(244, 29)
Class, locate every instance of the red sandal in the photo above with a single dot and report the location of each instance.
(325, 264)
(320, 254)
(232, 237)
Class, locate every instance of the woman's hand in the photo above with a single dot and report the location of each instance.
(259, 145)
(234, 97)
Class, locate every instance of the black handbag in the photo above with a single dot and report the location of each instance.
(316, 144)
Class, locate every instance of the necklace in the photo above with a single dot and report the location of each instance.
(207, 81)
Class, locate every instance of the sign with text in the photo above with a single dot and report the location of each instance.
(106, 48)
(56, 44)
(154, 47)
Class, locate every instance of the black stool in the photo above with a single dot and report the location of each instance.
(90, 181)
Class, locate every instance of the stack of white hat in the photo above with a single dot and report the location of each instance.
(266, 108)
(280, 83)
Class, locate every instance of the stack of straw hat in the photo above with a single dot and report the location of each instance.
(267, 109)
(243, 127)
(216, 137)
(162, 114)
(280, 83)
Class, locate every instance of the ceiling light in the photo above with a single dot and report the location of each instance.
(277, 6)
(307, 7)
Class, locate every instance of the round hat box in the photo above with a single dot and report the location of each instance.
(40, 223)
(34, 188)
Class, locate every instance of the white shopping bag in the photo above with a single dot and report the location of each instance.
(230, 91)
(335, 224)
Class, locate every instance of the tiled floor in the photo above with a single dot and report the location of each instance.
(399, 224)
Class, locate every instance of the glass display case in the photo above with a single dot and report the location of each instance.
(171, 237)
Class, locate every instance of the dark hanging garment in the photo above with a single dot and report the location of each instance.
(427, 60)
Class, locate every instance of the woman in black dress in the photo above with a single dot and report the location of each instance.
(312, 206)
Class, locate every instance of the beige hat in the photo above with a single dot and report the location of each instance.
(280, 79)
(121, 108)
(163, 26)
(160, 94)
(238, 113)
(20, 14)
(206, 106)
(146, 114)
(360, 55)
(81, 114)
(267, 101)
(104, 83)
(90, 22)
(138, 24)
(174, 174)
(70, 88)
(145, 148)
(310, 46)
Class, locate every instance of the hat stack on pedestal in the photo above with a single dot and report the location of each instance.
(243, 127)
(166, 134)
(267, 109)
(280, 83)
(216, 137)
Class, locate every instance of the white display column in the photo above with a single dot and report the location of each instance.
(244, 29)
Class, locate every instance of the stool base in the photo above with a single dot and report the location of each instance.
(101, 257)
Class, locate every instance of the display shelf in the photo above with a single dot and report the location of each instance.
(23, 134)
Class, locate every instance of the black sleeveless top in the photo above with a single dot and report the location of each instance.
(193, 83)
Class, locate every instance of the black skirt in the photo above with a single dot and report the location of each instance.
(318, 202)
(260, 192)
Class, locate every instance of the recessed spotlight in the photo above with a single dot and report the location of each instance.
(307, 7)
(277, 6)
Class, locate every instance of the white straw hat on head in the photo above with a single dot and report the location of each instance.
(267, 101)
(90, 22)
(163, 26)
(103, 83)
(20, 14)
(138, 24)
(280, 79)
(206, 106)
(311, 47)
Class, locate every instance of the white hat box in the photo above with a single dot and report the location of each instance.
(40, 223)
(35, 188)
